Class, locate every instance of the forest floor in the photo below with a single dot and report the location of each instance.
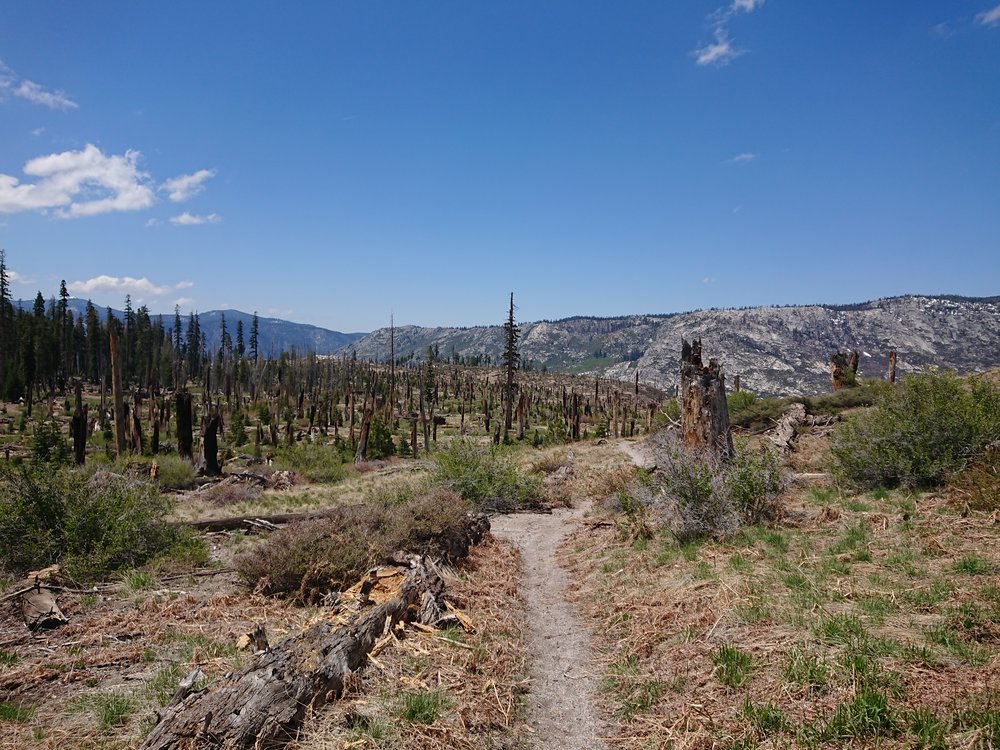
(851, 621)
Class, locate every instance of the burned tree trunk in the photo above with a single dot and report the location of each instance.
(211, 446)
(892, 367)
(78, 427)
(264, 703)
(185, 437)
(704, 411)
(116, 389)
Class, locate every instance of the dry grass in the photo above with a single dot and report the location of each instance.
(446, 689)
(861, 621)
(124, 651)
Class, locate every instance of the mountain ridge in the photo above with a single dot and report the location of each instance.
(776, 350)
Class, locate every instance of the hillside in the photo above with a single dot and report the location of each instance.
(275, 334)
(775, 350)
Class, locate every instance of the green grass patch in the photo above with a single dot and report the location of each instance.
(424, 707)
(16, 713)
(732, 666)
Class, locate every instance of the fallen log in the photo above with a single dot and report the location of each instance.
(264, 703)
(232, 523)
(784, 431)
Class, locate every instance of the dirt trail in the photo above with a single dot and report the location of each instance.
(563, 678)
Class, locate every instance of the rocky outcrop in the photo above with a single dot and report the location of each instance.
(774, 350)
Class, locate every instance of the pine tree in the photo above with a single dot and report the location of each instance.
(6, 329)
(511, 358)
(254, 334)
(241, 348)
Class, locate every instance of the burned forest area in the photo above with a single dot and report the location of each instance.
(240, 550)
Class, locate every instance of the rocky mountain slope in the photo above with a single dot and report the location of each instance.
(775, 350)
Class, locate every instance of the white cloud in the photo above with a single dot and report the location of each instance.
(186, 186)
(37, 95)
(192, 220)
(18, 278)
(37, 132)
(720, 53)
(104, 183)
(743, 158)
(152, 223)
(748, 6)
(989, 17)
(708, 280)
(124, 284)
(184, 301)
(12, 83)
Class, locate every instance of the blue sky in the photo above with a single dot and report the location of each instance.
(336, 162)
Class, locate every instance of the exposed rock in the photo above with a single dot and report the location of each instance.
(774, 350)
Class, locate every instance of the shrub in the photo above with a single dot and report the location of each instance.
(310, 558)
(380, 443)
(928, 425)
(754, 481)
(172, 471)
(315, 461)
(48, 446)
(696, 484)
(696, 495)
(89, 525)
(488, 478)
(740, 401)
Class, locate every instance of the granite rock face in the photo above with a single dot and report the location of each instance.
(775, 350)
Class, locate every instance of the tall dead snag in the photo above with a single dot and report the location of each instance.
(117, 396)
(264, 703)
(78, 427)
(704, 411)
(185, 438)
(892, 367)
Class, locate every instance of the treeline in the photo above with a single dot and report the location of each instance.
(44, 347)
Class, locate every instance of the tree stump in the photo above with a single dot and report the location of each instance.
(704, 411)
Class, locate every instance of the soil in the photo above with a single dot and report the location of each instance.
(563, 684)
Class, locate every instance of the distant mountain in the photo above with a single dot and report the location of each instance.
(274, 335)
(775, 350)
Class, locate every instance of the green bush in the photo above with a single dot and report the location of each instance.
(928, 425)
(380, 443)
(48, 446)
(172, 471)
(90, 525)
(740, 401)
(488, 478)
(696, 495)
(315, 461)
(754, 481)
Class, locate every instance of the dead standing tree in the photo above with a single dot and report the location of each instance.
(704, 411)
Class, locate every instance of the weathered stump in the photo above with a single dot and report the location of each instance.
(704, 411)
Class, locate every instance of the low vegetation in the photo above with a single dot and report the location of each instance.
(487, 477)
(853, 614)
(90, 525)
(311, 558)
(928, 426)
